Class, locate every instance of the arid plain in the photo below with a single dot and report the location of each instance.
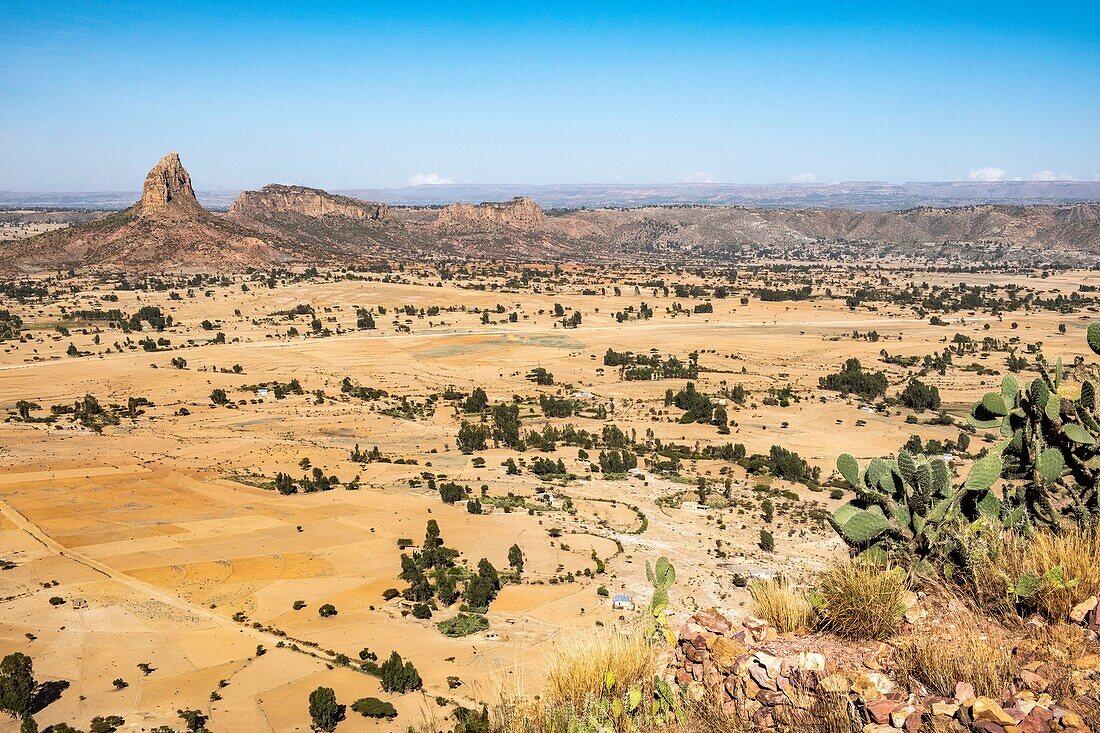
(162, 542)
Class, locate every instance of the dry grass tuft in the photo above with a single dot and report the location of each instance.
(863, 601)
(577, 690)
(1005, 558)
(580, 670)
(778, 603)
(940, 657)
(828, 714)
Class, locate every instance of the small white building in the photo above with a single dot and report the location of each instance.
(622, 602)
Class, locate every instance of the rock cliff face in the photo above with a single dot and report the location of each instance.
(310, 202)
(519, 213)
(167, 228)
(167, 190)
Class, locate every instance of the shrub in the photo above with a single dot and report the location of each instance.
(859, 600)
(463, 624)
(372, 707)
(327, 610)
(778, 603)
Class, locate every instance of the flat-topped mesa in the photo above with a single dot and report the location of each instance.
(168, 190)
(311, 202)
(519, 213)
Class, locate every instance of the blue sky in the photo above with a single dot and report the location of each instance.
(348, 95)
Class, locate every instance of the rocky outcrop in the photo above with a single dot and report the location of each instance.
(167, 190)
(309, 202)
(519, 213)
(167, 228)
(770, 686)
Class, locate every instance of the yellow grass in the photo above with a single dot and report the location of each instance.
(863, 601)
(939, 658)
(1007, 557)
(584, 676)
(781, 605)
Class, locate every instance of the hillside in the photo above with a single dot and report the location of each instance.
(166, 228)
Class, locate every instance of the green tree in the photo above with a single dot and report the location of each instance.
(324, 712)
(506, 424)
(918, 396)
(472, 437)
(17, 684)
(515, 558)
(476, 402)
(399, 676)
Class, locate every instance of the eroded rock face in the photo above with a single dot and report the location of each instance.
(311, 202)
(168, 189)
(519, 213)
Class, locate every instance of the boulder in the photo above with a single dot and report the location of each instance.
(986, 710)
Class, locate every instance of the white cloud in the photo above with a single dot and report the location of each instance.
(987, 173)
(1050, 176)
(700, 177)
(428, 179)
(803, 178)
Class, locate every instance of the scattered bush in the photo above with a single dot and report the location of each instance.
(372, 707)
(463, 624)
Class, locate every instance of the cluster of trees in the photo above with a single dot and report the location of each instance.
(364, 321)
(472, 437)
(364, 393)
(697, 406)
(316, 481)
(432, 576)
(541, 377)
(617, 461)
(918, 396)
(854, 379)
(640, 367)
(557, 406)
(546, 467)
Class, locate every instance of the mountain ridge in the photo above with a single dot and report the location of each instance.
(285, 224)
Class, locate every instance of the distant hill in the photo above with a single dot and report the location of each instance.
(859, 195)
(169, 228)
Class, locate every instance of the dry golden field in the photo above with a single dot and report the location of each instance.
(156, 532)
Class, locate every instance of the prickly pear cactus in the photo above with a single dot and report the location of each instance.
(903, 507)
(1051, 451)
(661, 576)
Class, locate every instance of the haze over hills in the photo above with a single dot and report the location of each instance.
(860, 195)
(168, 227)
